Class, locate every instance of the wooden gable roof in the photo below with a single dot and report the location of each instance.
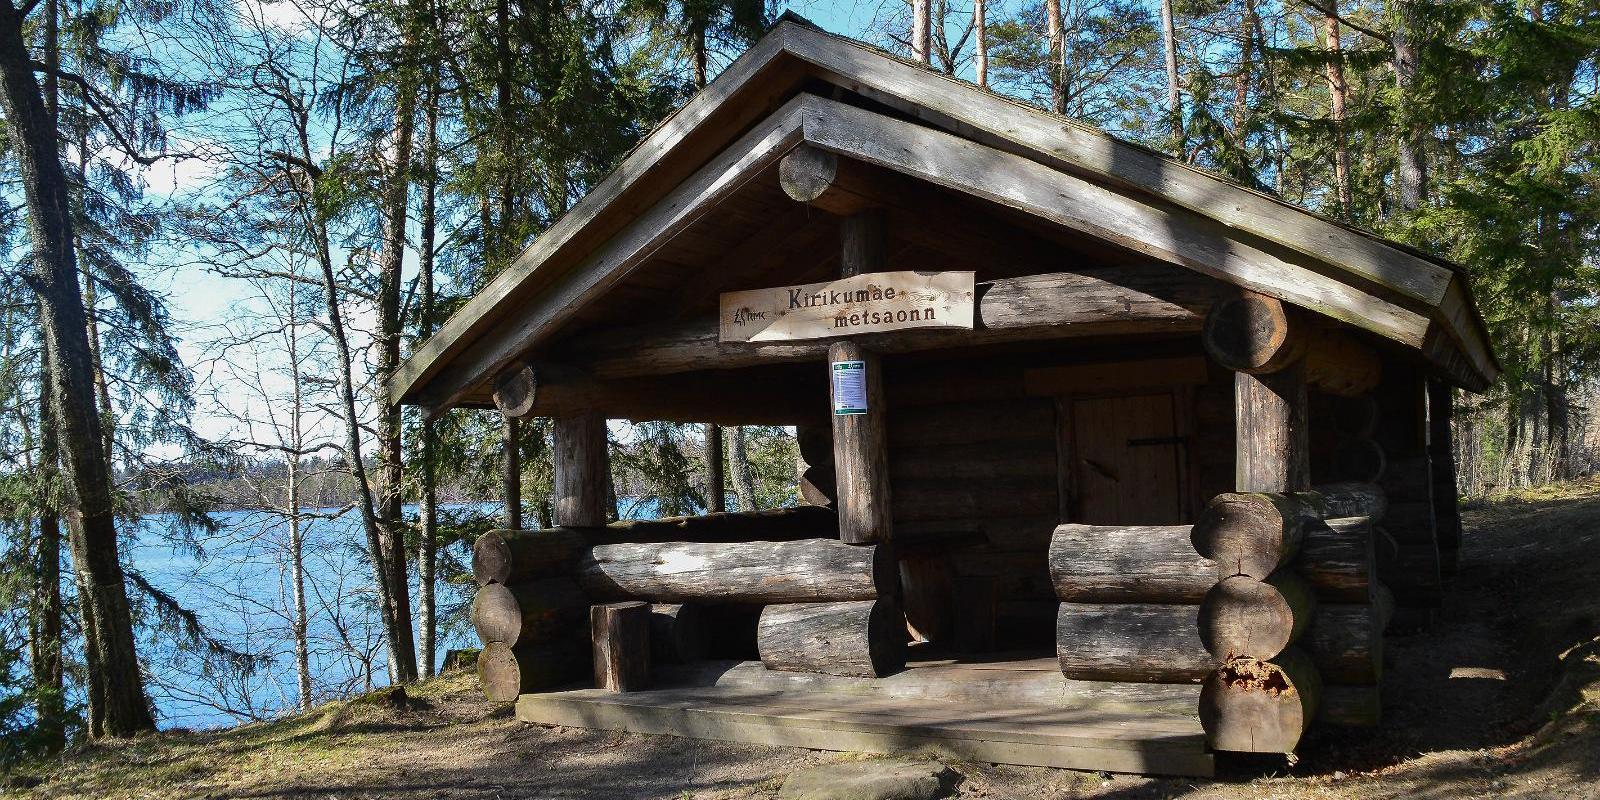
(952, 134)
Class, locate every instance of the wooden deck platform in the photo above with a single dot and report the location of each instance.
(822, 713)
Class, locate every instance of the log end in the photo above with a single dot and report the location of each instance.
(1250, 533)
(515, 391)
(491, 558)
(1242, 616)
(496, 615)
(806, 173)
(1253, 706)
(505, 671)
(1251, 334)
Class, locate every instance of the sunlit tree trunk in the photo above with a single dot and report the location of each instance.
(1054, 44)
(697, 47)
(1169, 41)
(297, 548)
(428, 540)
(980, 33)
(1241, 84)
(1338, 94)
(919, 30)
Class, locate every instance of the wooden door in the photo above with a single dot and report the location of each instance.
(1123, 460)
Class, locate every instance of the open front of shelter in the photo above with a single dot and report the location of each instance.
(1109, 464)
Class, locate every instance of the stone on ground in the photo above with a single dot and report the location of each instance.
(870, 780)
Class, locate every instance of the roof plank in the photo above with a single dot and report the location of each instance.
(1171, 234)
(1011, 126)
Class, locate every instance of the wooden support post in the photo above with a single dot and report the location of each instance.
(1442, 457)
(1260, 340)
(621, 633)
(860, 450)
(1273, 451)
(581, 471)
(513, 476)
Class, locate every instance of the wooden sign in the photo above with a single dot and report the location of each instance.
(871, 303)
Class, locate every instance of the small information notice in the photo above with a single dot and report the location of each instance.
(849, 388)
(870, 303)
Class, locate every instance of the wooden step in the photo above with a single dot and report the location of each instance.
(1028, 682)
(1075, 738)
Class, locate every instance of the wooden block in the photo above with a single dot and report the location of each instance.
(621, 633)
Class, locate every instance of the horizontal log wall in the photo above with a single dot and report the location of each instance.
(809, 570)
(516, 556)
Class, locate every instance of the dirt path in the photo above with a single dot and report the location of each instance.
(1501, 698)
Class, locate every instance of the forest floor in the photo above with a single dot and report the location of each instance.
(1501, 698)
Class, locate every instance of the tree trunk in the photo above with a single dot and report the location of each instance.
(1338, 93)
(113, 662)
(511, 448)
(45, 618)
(428, 538)
(391, 531)
(697, 43)
(365, 503)
(297, 571)
(980, 42)
(1169, 39)
(744, 487)
(1412, 167)
(919, 30)
(1241, 83)
(716, 497)
(1056, 46)
(503, 238)
(102, 390)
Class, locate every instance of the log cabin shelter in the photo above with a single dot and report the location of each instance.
(1158, 434)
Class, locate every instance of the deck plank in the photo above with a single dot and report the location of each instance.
(1038, 736)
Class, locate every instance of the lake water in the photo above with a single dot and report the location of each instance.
(238, 581)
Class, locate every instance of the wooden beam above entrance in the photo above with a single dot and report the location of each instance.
(1149, 298)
